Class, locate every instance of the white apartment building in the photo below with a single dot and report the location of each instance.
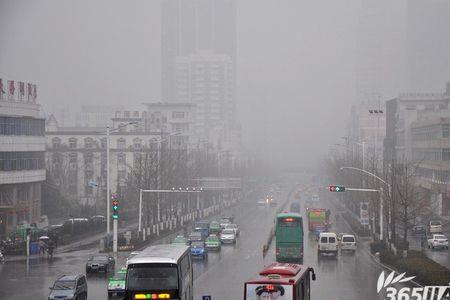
(22, 151)
(76, 156)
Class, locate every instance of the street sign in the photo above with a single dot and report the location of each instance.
(206, 297)
(364, 213)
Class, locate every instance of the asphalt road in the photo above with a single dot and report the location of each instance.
(222, 276)
(349, 277)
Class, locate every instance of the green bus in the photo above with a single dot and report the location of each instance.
(289, 237)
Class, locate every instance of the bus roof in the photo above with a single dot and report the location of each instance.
(281, 273)
(289, 214)
(170, 253)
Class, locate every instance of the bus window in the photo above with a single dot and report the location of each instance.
(152, 277)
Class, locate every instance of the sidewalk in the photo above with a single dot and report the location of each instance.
(70, 247)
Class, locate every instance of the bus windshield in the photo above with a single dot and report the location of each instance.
(152, 277)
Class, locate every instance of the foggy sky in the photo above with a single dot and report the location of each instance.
(295, 63)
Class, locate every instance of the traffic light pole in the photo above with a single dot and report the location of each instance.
(115, 237)
(380, 191)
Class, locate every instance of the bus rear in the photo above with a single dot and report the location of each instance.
(289, 238)
(317, 218)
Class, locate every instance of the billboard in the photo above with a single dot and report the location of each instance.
(267, 291)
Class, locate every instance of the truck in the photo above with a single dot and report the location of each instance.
(318, 218)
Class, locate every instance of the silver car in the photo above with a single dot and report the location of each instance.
(69, 287)
(228, 236)
(234, 227)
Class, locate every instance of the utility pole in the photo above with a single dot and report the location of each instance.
(107, 181)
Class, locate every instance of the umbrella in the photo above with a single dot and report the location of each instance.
(44, 237)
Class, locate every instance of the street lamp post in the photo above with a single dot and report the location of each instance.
(107, 182)
(381, 193)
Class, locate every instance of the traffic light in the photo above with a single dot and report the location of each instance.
(115, 207)
(337, 188)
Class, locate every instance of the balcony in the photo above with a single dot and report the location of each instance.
(24, 176)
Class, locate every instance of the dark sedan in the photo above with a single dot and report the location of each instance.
(100, 263)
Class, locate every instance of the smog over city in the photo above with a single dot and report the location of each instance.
(130, 124)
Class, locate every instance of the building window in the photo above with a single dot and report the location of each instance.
(73, 157)
(88, 143)
(72, 143)
(88, 158)
(22, 126)
(121, 159)
(103, 143)
(137, 144)
(121, 143)
(56, 143)
(178, 114)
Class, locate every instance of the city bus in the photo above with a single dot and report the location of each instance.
(160, 272)
(289, 237)
(281, 281)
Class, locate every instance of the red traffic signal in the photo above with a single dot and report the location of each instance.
(336, 188)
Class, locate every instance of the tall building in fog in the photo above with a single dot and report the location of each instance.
(199, 61)
(428, 44)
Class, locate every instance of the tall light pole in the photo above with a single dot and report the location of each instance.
(108, 190)
(381, 193)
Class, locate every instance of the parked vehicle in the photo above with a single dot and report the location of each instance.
(435, 227)
(100, 263)
(419, 229)
(437, 241)
(327, 244)
(69, 287)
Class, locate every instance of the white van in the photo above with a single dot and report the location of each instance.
(327, 244)
(348, 242)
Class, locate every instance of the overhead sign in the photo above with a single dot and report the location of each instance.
(364, 213)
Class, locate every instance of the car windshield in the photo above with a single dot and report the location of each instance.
(64, 285)
(440, 237)
(99, 258)
(212, 238)
(228, 231)
(197, 245)
(348, 239)
(435, 223)
(152, 277)
(224, 221)
(214, 224)
(120, 276)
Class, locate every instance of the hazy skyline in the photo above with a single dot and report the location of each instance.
(296, 67)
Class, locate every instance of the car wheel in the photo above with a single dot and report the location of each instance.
(110, 294)
(432, 247)
(106, 270)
